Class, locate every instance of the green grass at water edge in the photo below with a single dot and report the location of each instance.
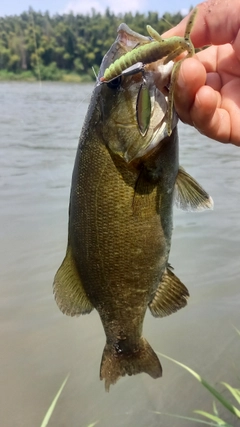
(30, 76)
(215, 420)
(26, 76)
(53, 404)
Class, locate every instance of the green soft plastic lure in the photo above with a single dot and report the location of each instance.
(154, 50)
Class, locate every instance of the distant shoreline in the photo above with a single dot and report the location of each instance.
(28, 76)
(35, 46)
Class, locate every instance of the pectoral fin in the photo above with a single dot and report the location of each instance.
(189, 195)
(69, 293)
(143, 197)
(170, 296)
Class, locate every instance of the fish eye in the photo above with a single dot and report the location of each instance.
(115, 83)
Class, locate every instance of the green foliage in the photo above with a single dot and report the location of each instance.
(23, 76)
(52, 46)
(49, 72)
(53, 404)
(214, 418)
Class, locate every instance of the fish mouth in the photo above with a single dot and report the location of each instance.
(130, 142)
(139, 109)
(161, 75)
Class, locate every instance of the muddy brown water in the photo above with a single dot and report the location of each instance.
(39, 130)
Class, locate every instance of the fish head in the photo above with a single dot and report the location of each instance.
(134, 106)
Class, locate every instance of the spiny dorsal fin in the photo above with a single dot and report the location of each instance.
(170, 296)
(189, 195)
(70, 296)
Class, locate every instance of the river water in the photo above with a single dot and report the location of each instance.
(39, 130)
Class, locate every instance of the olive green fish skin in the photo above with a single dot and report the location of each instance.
(120, 221)
(121, 248)
(120, 228)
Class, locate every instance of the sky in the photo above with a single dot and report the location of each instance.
(15, 7)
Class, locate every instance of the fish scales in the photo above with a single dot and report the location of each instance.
(125, 252)
(121, 246)
(124, 184)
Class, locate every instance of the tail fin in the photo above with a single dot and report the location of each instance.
(115, 365)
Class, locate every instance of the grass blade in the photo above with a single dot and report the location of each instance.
(214, 418)
(234, 391)
(211, 389)
(53, 404)
(93, 424)
(237, 330)
(196, 420)
(215, 411)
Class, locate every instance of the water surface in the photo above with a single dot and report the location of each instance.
(39, 130)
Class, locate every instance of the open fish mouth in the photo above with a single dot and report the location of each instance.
(143, 91)
(150, 114)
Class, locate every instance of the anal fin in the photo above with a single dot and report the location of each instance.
(69, 293)
(170, 296)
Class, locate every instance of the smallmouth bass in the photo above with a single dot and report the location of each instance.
(125, 180)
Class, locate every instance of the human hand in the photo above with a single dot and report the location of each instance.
(207, 91)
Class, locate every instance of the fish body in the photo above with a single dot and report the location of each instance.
(120, 219)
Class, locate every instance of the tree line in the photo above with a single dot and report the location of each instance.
(36, 41)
